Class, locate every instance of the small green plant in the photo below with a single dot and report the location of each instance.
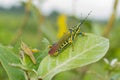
(87, 50)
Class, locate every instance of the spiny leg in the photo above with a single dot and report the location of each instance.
(71, 42)
(72, 47)
(71, 38)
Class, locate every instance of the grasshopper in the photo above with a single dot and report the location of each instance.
(67, 39)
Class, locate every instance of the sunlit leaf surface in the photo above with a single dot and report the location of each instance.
(87, 49)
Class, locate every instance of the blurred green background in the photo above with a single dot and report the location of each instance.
(27, 23)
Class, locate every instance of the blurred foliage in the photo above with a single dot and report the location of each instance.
(11, 20)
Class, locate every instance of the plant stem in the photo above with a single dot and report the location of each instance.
(84, 71)
(20, 31)
(27, 75)
(111, 20)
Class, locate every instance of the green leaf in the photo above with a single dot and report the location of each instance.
(87, 49)
(7, 58)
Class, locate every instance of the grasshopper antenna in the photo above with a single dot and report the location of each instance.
(84, 19)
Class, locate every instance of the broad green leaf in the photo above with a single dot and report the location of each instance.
(87, 49)
(7, 58)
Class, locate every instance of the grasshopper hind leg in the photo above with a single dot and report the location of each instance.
(71, 38)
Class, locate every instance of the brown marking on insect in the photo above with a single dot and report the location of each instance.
(53, 49)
